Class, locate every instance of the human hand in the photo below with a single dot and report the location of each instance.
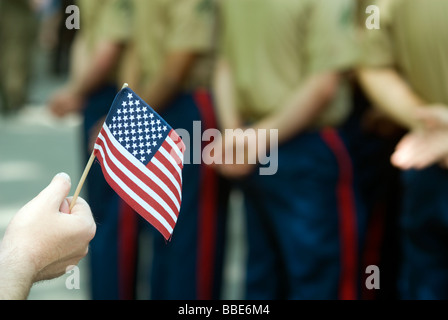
(421, 149)
(433, 116)
(66, 101)
(44, 238)
(234, 155)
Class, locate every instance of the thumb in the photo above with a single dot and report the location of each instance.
(58, 189)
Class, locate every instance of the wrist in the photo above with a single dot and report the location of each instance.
(17, 274)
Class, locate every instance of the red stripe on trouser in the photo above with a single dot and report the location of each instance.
(374, 240)
(127, 251)
(347, 216)
(207, 209)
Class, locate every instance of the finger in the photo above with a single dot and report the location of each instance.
(65, 207)
(82, 211)
(56, 192)
(81, 206)
(404, 155)
(416, 154)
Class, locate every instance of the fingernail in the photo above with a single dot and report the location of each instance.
(64, 176)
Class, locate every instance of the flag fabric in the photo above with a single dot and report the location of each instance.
(141, 157)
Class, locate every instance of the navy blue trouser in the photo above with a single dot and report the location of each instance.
(424, 235)
(304, 223)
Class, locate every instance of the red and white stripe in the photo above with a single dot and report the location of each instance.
(154, 191)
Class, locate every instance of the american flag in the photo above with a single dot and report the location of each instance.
(141, 157)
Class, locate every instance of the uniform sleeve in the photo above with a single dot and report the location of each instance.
(376, 44)
(115, 21)
(190, 25)
(331, 36)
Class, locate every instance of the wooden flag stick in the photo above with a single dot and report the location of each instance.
(82, 180)
(86, 172)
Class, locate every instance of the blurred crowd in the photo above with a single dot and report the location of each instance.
(360, 111)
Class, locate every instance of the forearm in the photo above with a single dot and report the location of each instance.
(98, 69)
(16, 277)
(391, 94)
(223, 87)
(168, 83)
(302, 108)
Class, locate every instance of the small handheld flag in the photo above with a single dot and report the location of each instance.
(141, 157)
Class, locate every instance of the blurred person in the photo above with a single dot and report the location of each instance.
(54, 37)
(95, 64)
(18, 24)
(169, 67)
(404, 71)
(374, 136)
(43, 239)
(283, 65)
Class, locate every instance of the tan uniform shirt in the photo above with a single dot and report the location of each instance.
(165, 26)
(101, 21)
(273, 46)
(104, 20)
(413, 39)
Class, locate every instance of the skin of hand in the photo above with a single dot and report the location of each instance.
(236, 167)
(66, 101)
(44, 239)
(433, 116)
(421, 149)
(428, 145)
